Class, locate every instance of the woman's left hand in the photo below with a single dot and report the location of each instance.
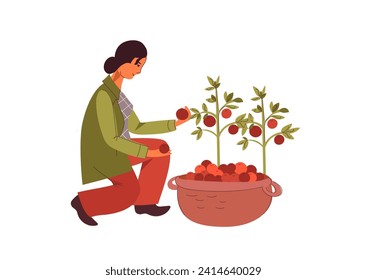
(179, 122)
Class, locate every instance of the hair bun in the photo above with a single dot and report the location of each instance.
(125, 53)
(110, 65)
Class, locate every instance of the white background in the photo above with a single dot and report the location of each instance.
(311, 56)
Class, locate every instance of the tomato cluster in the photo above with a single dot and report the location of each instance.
(256, 131)
(210, 121)
(232, 172)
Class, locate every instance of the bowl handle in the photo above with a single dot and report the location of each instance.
(171, 185)
(278, 189)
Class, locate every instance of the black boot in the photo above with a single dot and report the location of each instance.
(152, 209)
(83, 216)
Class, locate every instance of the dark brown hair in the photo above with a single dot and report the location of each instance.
(126, 52)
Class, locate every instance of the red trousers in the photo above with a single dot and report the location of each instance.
(127, 189)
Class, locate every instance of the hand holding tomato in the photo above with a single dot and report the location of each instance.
(158, 153)
(183, 115)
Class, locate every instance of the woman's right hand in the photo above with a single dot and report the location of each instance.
(181, 121)
(157, 153)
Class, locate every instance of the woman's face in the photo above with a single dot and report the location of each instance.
(130, 69)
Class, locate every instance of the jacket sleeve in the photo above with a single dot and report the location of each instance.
(108, 126)
(153, 127)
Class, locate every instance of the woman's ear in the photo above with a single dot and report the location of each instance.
(135, 59)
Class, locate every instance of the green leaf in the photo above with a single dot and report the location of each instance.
(199, 134)
(216, 85)
(259, 108)
(212, 99)
(275, 107)
(217, 81)
(284, 110)
(242, 124)
(198, 119)
(229, 97)
(232, 106)
(256, 110)
(238, 100)
(286, 128)
(244, 129)
(240, 117)
(255, 98)
(205, 108)
(287, 135)
(250, 118)
(244, 143)
(264, 88)
(211, 82)
(293, 130)
(262, 95)
(209, 88)
(256, 90)
(194, 110)
(278, 117)
(271, 106)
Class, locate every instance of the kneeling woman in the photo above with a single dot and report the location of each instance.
(108, 151)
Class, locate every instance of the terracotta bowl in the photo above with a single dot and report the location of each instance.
(224, 203)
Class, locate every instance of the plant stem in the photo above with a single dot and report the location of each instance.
(252, 140)
(224, 127)
(209, 113)
(263, 135)
(269, 117)
(217, 126)
(259, 124)
(207, 130)
(267, 141)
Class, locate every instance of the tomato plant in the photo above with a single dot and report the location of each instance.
(212, 117)
(259, 128)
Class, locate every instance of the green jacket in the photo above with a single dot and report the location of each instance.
(104, 153)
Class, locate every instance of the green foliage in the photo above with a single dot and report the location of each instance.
(214, 107)
(246, 121)
(275, 112)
